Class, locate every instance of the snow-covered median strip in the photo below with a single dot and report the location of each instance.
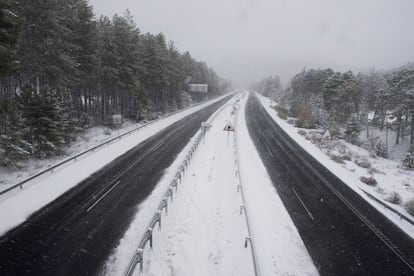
(15, 208)
(388, 176)
(203, 233)
(279, 247)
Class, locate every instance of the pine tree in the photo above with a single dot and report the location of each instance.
(401, 99)
(84, 37)
(352, 132)
(13, 148)
(48, 126)
(341, 96)
(45, 47)
(9, 32)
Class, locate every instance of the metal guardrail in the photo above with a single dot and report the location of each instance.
(243, 208)
(138, 257)
(401, 215)
(92, 149)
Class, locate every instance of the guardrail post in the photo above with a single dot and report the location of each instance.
(149, 230)
(247, 240)
(171, 193)
(159, 212)
(175, 184)
(178, 175)
(140, 254)
(166, 205)
(238, 188)
(242, 208)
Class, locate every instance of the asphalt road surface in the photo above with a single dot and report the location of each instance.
(75, 234)
(342, 232)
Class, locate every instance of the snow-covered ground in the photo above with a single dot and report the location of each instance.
(85, 140)
(389, 176)
(18, 205)
(204, 232)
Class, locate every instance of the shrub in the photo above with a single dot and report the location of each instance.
(337, 158)
(380, 190)
(306, 119)
(363, 163)
(373, 170)
(352, 132)
(409, 206)
(291, 121)
(370, 181)
(394, 198)
(282, 112)
(333, 128)
(282, 116)
(381, 150)
(109, 122)
(302, 132)
(408, 162)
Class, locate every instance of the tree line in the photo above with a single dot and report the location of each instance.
(62, 69)
(329, 99)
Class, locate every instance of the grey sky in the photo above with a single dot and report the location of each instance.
(246, 40)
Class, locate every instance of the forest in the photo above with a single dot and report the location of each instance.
(62, 69)
(349, 104)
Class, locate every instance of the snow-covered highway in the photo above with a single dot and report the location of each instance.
(303, 220)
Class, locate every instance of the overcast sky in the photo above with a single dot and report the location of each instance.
(246, 40)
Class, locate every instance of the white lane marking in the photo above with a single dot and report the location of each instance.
(153, 148)
(303, 204)
(157, 146)
(269, 151)
(96, 202)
